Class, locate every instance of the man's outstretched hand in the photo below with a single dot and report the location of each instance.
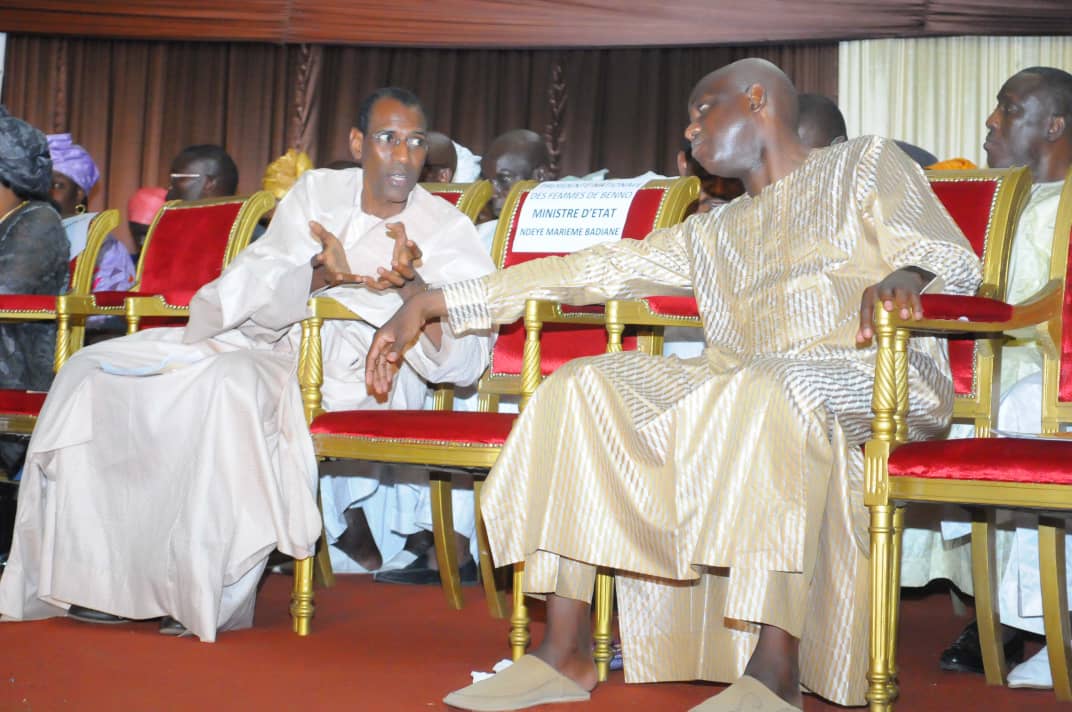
(393, 338)
(330, 265)
(897, 292)
(405, 258)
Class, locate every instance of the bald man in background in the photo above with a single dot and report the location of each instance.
(442, 159)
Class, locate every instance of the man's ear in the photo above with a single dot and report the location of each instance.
(542, 173)
(1056, 128)
(356, 139)
(682, 164)
(757, 97)
(443, 175)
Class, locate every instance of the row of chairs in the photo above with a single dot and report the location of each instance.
(188, 245)
(986, 205)
(983, 472)
(448, 442)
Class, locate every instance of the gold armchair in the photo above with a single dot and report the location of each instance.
(469, 442)
(982, 472)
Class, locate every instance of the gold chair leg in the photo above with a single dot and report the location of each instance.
(1055, 604)
(985, 583)
(519, 619)
(601, 633)
(880, 681)
(494, 595)
(443, 532)
(132, 323)
(301, 598)
(895, 598)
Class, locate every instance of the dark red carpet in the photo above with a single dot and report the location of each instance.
(379, 647)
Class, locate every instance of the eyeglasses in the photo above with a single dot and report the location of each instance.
(390, 138)
(184, 176)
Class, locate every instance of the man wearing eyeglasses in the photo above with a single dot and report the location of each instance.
(202, 171)
(168, 464)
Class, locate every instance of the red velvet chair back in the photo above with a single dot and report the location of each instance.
(659, 203)
(187, 246)
(985, 204)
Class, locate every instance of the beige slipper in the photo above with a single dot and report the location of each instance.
(746, 695)
(527, 683)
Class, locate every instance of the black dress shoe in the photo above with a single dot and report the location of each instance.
(89, 615)
(170, 626)
(418, 573)
(964, 654)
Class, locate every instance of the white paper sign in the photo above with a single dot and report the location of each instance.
(566, 216)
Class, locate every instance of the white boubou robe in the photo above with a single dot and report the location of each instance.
(167, 465)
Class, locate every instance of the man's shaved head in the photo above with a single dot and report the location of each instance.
(819, 121)
(745, 73)
(514, 156)
(743, 123)
(442, 159)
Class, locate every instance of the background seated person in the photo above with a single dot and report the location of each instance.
(73, 176)
(33, 260)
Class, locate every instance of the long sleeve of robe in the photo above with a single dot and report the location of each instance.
(726, 490)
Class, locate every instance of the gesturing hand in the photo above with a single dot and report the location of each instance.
(900, 291)
(405, 258)
(330, 265)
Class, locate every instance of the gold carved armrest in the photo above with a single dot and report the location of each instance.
(889, 400)
(656, 313)
(311, 354)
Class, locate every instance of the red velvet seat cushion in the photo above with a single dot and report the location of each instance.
(27, 302)
(21, 402)
(986, 460)
(952, 306)
(417, 425)
(673, 306)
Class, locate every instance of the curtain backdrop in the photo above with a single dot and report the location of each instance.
(135, 104)
(936, 92)
(533, 23)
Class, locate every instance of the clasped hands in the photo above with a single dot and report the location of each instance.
(330, 266)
